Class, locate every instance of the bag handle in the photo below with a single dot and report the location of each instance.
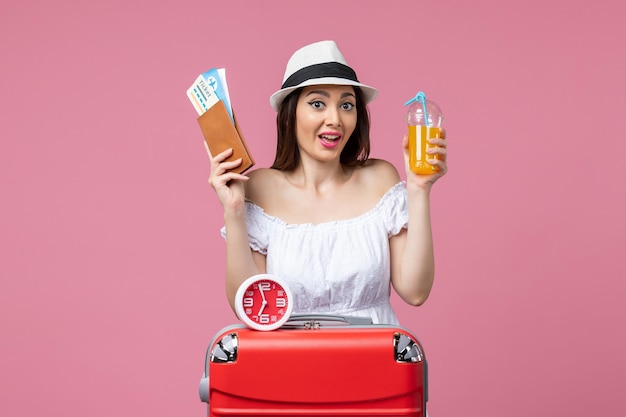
(315, 321)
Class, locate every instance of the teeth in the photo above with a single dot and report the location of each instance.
(329, 137)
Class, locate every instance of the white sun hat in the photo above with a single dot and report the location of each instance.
(316, 64)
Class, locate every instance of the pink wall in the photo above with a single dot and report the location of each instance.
(111, 263)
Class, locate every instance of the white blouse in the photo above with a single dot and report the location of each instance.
(338, 267)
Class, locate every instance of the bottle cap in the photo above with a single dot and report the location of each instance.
(422, 111)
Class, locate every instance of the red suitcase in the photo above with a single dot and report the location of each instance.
(316, 366)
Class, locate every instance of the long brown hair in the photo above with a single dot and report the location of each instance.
(287, 158)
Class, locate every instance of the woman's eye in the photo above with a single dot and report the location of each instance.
(347, 106)
(316, 104)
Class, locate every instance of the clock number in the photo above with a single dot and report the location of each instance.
(248, 302)
(264, 286)
(281, 302)
(264, 318)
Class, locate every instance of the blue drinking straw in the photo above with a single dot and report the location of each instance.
(421, 98)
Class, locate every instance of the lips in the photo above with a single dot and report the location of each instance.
(329, 140)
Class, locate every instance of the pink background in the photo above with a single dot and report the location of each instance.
(111, 262)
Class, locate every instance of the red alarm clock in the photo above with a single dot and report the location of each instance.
(263, 302)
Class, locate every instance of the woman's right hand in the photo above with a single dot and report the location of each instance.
(228, 185)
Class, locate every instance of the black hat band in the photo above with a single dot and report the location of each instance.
(324, 70)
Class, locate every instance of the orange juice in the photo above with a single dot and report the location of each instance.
(418, 143)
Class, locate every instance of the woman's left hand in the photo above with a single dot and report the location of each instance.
(439, 150)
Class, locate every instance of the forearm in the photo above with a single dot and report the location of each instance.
(417, 270)
(240, 264)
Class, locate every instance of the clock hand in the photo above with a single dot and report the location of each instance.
(262, 294)
(263, 304)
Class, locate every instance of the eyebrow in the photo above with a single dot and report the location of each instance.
(326, 94)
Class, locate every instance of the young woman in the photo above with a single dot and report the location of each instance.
(338, 227)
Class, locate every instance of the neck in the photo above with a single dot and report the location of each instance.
(319, 176)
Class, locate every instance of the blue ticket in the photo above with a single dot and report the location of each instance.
(216, 80)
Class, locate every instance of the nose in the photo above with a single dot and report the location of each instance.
(333, 117)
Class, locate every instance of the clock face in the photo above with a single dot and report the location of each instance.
(263, 302)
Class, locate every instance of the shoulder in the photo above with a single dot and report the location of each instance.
(261, 174)
(261, 182)
(379, 173)
(382, 167)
